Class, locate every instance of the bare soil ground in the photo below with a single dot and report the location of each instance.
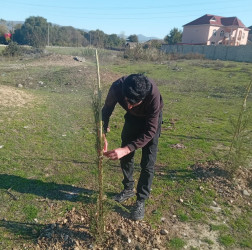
(73, 231)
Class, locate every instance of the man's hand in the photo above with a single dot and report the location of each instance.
(117, 153)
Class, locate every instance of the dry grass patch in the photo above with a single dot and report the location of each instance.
(13, 97)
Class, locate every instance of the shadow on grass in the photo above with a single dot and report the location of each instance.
(27, 231)
(123, 209)
(50, 190)
(174, 174)
(204, 171)
(65, 235)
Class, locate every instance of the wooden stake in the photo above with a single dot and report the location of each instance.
(99, 145)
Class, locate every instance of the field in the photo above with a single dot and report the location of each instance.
(48, 171)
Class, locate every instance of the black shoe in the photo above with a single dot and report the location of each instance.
(138, 211)
(124, 195)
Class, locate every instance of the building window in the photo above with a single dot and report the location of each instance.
(243, 35)
(214, 32)
(222, 33)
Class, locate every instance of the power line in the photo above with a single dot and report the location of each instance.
(191, 4)
(98, 17)
(131, 16)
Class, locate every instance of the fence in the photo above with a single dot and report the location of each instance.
(221, 52)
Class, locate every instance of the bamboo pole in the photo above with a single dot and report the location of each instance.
(99, 144)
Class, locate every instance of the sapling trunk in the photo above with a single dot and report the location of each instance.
(235, 149)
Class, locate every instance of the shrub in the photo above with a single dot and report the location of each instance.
(13, 49)
(147, 54)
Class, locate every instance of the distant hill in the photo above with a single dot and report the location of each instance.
(142, 38)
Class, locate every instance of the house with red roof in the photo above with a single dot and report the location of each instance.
(214, 30)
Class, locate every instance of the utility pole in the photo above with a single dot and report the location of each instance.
(48, 35)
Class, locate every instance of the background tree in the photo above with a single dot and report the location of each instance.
(133, 38)
(3, 30)
(17, 36)
(96, 38)
(69, 36)
(34, 31)
(174, 37)
(113, 41)
(84, 41)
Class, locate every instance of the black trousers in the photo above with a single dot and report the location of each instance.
(133, 126)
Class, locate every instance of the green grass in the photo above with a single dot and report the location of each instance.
(182, 216)
(227, 240)
(49, 152)
(221, 228)
(247, 242)
(176, 243)
(31, 212)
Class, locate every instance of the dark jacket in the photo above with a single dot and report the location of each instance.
(148, 110)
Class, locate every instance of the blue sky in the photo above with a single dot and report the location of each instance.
(150, 18)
